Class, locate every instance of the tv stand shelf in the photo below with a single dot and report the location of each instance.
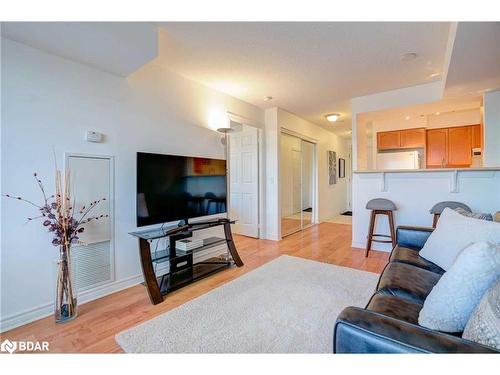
(183, 268)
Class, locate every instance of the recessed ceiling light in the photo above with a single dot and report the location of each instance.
(332, 117)
(407, 117)
(408, 56)
(268, 98)
(438, 113)
(433, 75)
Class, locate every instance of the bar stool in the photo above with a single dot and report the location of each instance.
(438, 208)
(380, 206)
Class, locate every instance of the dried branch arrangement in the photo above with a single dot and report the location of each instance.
(58, 214)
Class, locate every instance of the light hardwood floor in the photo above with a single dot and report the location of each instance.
(100, 320)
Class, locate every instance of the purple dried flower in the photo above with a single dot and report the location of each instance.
(46, 223)
(56, 242)
(81, 230)
(54, 205)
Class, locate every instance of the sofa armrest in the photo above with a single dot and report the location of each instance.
(412, 237)
(359, 330)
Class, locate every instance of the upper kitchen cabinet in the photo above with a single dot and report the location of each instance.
(437, 148)
(477, 136)
(452, 147)
(460, 147)
(401, 139)
(389, 140)
(413, 138)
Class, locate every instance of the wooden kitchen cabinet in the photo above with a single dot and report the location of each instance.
(413, 138)
(477, 136)
(460, 147)
(437, 148)
(389, 140)
(452, 147)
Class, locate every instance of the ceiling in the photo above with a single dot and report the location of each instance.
(115, 47)
(475, 61)
(309, 69)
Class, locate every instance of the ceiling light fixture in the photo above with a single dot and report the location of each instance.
(332, 117)
(408, 56)
(433, 75)
(407, 117)
(268, 98)
(438, 113)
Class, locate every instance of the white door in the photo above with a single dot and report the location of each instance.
(244, 181)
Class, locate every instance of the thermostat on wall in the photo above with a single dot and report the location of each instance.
(92, 136)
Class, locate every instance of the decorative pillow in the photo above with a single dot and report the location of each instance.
(484, 325)
(475, 215)
(454, 233)
(450, 303)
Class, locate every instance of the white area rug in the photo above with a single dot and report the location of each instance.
(288, 305)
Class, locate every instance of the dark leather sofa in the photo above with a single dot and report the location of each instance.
(389, 323)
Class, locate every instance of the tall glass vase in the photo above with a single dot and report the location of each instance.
(65, 305)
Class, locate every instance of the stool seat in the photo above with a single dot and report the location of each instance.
(438, 208)
(381, 204)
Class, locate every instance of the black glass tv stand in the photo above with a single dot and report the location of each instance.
(183, 270)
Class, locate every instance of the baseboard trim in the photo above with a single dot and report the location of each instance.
(42, 311)
(30, 315)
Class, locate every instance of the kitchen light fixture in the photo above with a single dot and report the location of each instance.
(332, 117)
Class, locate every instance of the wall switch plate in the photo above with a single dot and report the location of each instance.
(92, 136)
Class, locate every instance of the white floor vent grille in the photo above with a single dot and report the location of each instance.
(92, 265)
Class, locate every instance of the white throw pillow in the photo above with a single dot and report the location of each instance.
(454, 232)
(451, 302)
(484, 324)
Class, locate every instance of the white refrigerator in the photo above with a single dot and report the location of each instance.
(398, 160)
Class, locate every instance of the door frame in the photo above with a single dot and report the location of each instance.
(111, 202)
(314, 218)
(260, 165)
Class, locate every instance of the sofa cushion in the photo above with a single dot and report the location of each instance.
(395, 307)
(407, 281)
(451, 302)
(410, 256)
(454, 232)
(484, 325)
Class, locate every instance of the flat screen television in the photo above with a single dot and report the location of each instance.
(173, 188)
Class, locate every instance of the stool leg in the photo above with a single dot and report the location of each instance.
(393, 232)
(370, 233)
(435, 220)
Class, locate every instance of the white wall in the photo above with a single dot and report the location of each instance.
(491, 113)
(47, 104)
(415, 193)
(271, 200)
(457, 118)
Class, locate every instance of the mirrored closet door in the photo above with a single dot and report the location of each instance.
(296, 183)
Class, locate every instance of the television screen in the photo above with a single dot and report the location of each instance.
(171, 187)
